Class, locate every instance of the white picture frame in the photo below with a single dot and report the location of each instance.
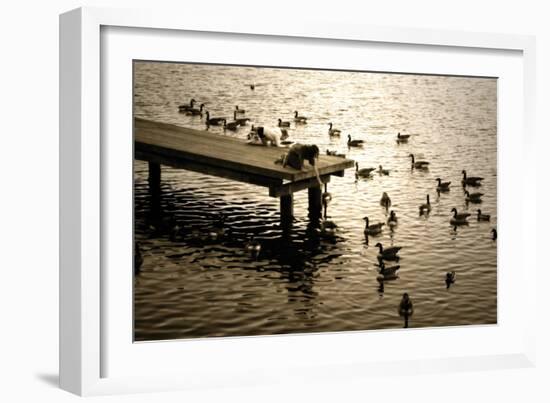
(85, 345)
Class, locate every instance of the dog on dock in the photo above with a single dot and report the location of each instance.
(299, 153)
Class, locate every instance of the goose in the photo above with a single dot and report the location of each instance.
(186, 107)
(253, 247)
(383, 171)
(389, 253)
(406, 306)
(494, 233)
(403, 137)
(419, 164)
(213, 121)
(335, 154)
(138, 258)
(363, 172)
(299, 119)
(482, 217)
(240, 121)
(237, 110)
(473, 197)
(459, 218)
(388, 271)
(374, 229)
(230, 125)
(328, 228)
(333, 132)
(195, 111)
(385, 200)
(426, 207)
(470, 180)
(392, 219)
(442, 186)
(450, 278)
(283, 124)
(354, 143)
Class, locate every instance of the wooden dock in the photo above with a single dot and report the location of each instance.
(231, 158)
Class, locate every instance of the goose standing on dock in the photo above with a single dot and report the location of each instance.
(373, 229)
(385, 200)
(298, 118)
(473, 197)
(389, 253)
(459, 218)
(426, 207)
(418, 164)
(237, 110)
(333, 132)
(363, 172)
(470, 180)
(355, 143)
(213, 121)
(402, 138)
(483, 217)
(442, 186)
(283, 124)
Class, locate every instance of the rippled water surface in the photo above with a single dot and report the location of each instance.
(198, 286)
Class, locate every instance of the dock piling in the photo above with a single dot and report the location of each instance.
(154, 185)
(314, 202)
(287, 210)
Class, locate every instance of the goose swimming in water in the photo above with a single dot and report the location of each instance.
(283, 124)
(383, 171)
(335, 154)
(195, 111)
(333, 132)
(389, 253)
(385, 200)
(299, 119)
(442, 186)
(419, 164)
(388, 271)
(240, 121)
(213, 121)
(450, 278)
(392, 219)
(373, 229)
(426, 207)
(363, 172)
(470, 180)
(231, 125)
(403, 137)
(473, 197)
(482, 217)
(237, 110)
(494, 233)
(254, 247)
(355, 143)
(406, 306)
(459, 218)
(185, 107)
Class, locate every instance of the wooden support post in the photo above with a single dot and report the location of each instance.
(154, 186)
(287, 211)
(315, 202)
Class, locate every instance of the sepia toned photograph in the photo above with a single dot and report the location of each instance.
(272, 200)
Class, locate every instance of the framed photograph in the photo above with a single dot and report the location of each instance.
(244, 205)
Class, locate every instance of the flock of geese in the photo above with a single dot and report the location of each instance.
(385, 254)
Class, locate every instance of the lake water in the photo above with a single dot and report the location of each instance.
(308, 283)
